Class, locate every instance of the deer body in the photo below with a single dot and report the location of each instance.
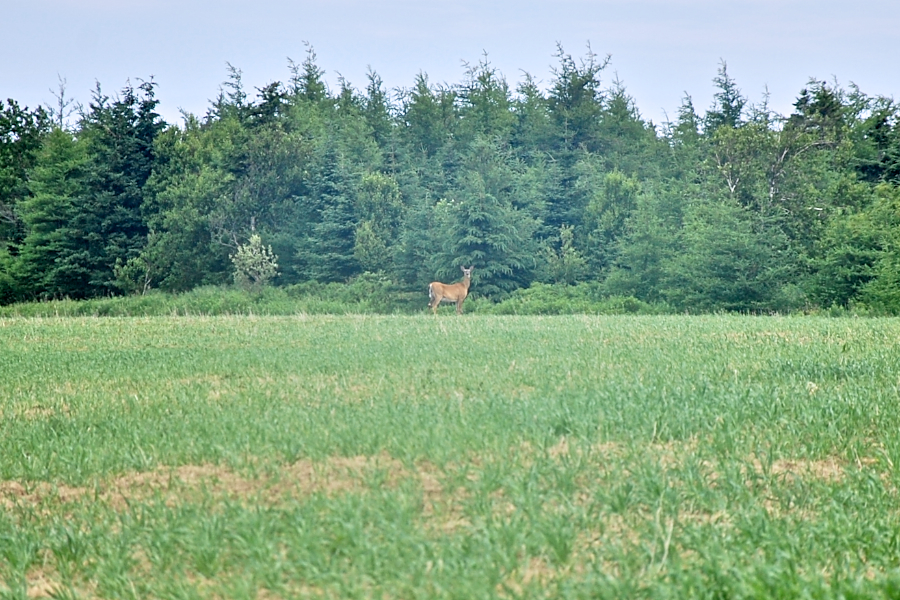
(450, 292)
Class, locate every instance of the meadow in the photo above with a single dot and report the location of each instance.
(466, 457)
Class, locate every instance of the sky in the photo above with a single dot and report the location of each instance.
(661, 50)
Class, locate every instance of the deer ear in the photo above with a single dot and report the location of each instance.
(462, 268)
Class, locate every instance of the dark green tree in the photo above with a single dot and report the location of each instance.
(650, 244)
(120, 136)
(576, 100)
(728, 262)
(377, 110)
(306, 79)
(534, 130)
(728, 105)
(379, 207)
(53, 257)
(87, 215)
(483, 227)
(486, 104)
(326, 252)
(429, 116)
(22, 132)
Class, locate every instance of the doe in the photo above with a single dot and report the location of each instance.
(450, 292)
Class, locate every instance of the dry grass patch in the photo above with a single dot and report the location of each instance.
(14, 493)
(535, 572)
(334, 475)
(442, 509)
(831, 469)
(41, 584)
(44, 582)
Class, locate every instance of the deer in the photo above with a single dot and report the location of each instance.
(450, 292)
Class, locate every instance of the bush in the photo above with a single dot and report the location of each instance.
(558, 299)
(367, 294)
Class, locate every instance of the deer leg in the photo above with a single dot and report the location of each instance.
(431, 297)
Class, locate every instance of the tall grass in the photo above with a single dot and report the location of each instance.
(482, 456)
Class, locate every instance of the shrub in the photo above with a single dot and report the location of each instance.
(254, 264)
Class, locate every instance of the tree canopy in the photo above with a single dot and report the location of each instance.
(738, 208)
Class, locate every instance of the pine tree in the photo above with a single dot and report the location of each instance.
(490, 234)
(326, 251)
(50, 262)
(576, 100)
(120, 137)
(21, 133)
(728, 109)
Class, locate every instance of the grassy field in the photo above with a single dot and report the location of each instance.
(473, 457)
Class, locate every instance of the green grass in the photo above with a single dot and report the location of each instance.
(473, 457)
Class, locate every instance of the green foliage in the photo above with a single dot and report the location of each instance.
(726, 263)
(255, 265)
(488, 233)
(429, 117)
(564, 263)
(327, 251)
(85, 216)
(727, 111)
(486, 103)
(22, 132)
(575, 100)
(48, 262)
(543, 299)
(379, 206)
(880, 282)
(612, 201)
(738, 208)
(368, 293)
(649, 245)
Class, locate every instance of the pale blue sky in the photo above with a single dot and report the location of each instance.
(661, 49)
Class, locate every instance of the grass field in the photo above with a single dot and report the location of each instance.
(473, 457)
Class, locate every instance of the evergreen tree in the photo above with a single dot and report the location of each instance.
(418, 255)
(485, 230)
(190, 208)
(377, 111)
(87, 212)
(630, 143)
(429, 116)
(534, 129)
(231, 103)
(379, 208)
(22, 132)
(740, 208)
(648, 248)
(728, 108)
(326, 253)
(306, 80)
(486, 103)
(726, 263)
(882, 290)
(120, 139)
(271, 106)
(51, 262)
(576, 100)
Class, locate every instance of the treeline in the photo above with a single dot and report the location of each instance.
(735, 208)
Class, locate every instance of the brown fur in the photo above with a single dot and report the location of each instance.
(450, 292)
